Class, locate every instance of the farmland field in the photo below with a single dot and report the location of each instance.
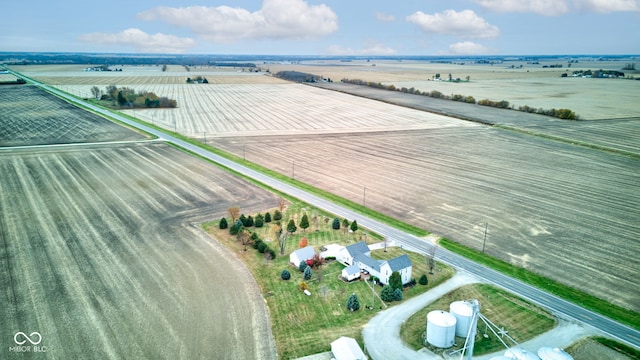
(31, 116)
(100, 254)
(563, 211)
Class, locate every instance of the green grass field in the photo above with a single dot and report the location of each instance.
(304, 325)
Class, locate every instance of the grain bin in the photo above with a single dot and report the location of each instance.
(463, 312)
(501, 357)
(441, 329)
(520, 354)
(547, 353)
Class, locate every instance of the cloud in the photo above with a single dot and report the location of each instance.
(141, 41)
(371, 48)
(607, 6)
(559, 7)
(384, 17)
(542, 7)
(468, 48)
(450, 22)
(277, 19)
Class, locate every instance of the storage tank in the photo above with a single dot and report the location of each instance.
(502, 358)
(441, 329)
(463, 312)
(548, 353)
(521, 354)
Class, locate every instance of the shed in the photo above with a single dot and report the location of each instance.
(300, 255)
(351, 272)
(346, 348)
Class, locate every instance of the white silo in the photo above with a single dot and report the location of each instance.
(520, 354)
(441, 329)
(547, 353)
(463, 312)
(501, 357)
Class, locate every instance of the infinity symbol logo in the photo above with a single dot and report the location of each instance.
(15, 338)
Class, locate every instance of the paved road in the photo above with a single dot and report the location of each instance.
(616, 330)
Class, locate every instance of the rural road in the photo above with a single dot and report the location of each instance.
(555, 304)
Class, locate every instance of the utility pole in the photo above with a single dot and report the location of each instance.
(486, 225)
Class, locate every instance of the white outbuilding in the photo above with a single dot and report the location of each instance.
(300, 255)
(346, 348)
(351, 272)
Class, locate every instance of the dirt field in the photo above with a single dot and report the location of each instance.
(101, 254)
(30, 116)
(564, 211)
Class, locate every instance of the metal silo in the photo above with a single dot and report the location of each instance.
(441, 329)
(547, 353)
(521, 354)
(463, 312)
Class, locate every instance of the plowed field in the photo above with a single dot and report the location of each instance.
(98, 255)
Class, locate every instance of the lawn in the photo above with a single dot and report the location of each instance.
(304, 325)
(521, 319)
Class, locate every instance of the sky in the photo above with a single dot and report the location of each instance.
(324, 27)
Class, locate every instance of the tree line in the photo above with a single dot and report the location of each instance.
(128, 97)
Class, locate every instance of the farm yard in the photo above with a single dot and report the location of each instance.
(100, 255)
(30, 116)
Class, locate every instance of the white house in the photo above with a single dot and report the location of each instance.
(303, 254)
(347, 254)
(346, 348)
(401, 264)
(351, 272)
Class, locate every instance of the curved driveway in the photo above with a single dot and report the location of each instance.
(555, 304)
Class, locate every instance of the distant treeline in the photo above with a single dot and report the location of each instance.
(297, 76)
(124, 59)
(127, 97)
(503, 104)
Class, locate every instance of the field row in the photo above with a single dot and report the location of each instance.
(564, 212)
(227, 110)
(98, 256)
(30, 116)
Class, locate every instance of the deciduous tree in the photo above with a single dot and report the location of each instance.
(303, 242)
(234, 213)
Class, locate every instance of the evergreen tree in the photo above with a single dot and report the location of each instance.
(223, 223)
(423, 280)
(259, 221)
(267, 217)
(395, 281)
(236, 228)
(249, 221)
(243, 219)
(307, 273)
(291, 226)
(336, 224)
(387, 293)
(352, 303)
(304, 222)
(303, 265)
(277, 215)
(285, 274)
(397, 295)
(354, 226)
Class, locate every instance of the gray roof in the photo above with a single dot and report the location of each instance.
(368, 261)
(358, 248)
(305, 253)
(399, 263)
(352, 269)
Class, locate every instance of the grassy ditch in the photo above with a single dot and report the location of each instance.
(301, 324)
(575, 296)
(521, 319)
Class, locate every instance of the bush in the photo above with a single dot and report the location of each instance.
(423, 280)
(271, 252)
(257, 243)
(285, 275)
(303, 286)
(352, 303)
(336, 224)
(397, 295)
(262, 247)
(307, 273)
(259, 221)
(387, 293)
(223, 223)
(235, 228)
(277, 215)
(395, 280)
(267, 217)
